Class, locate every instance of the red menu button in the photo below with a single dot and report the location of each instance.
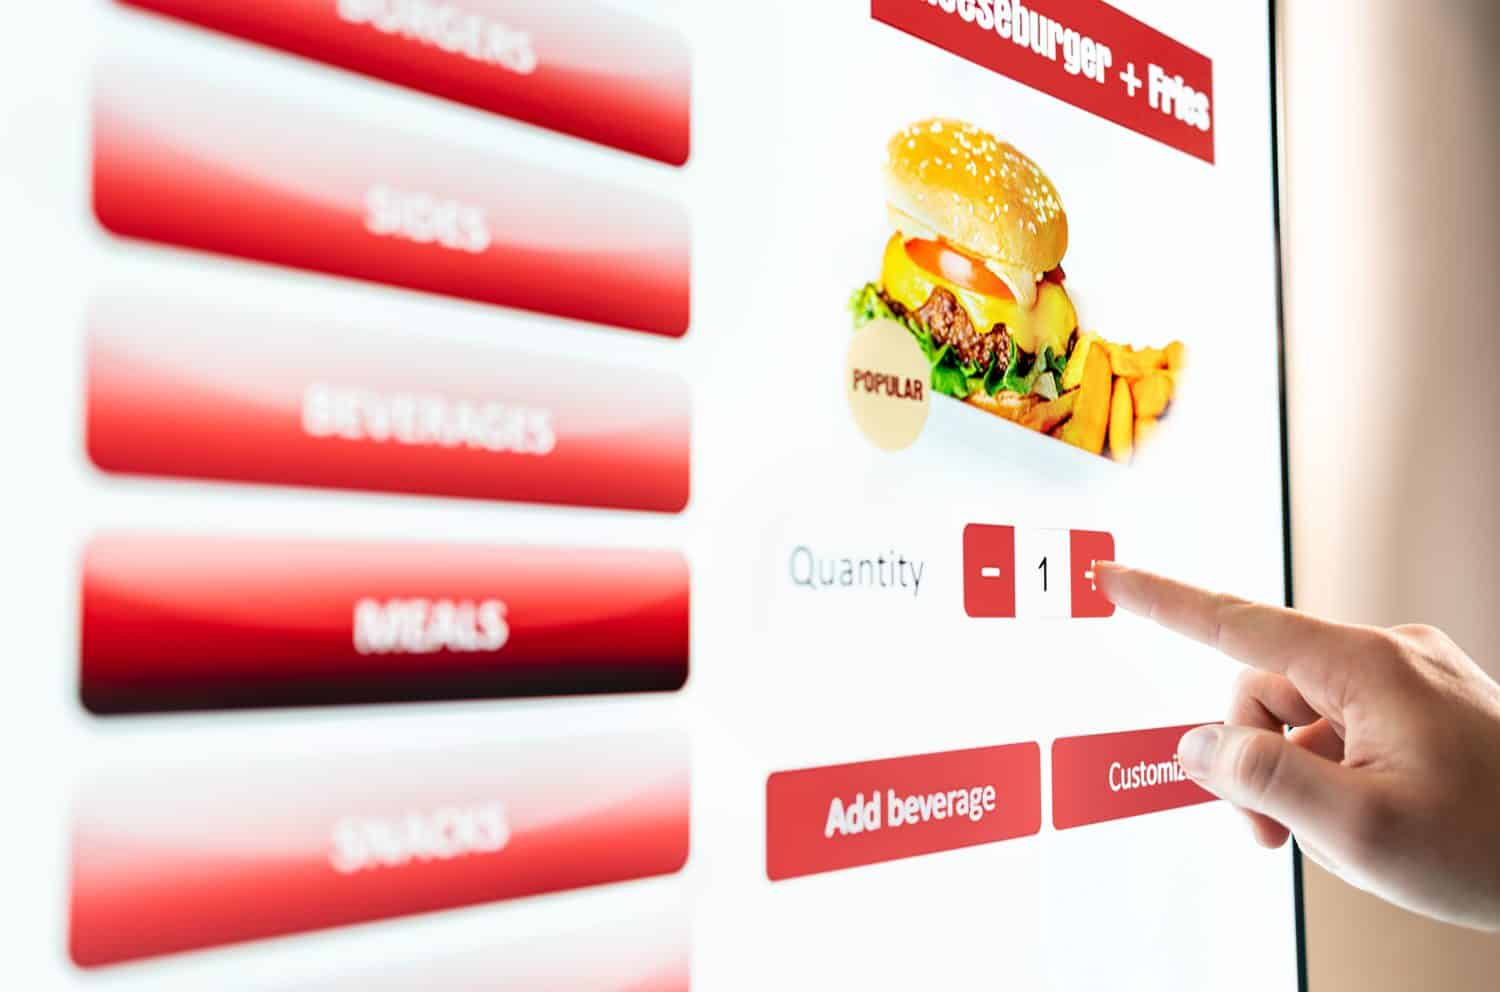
(188, 160)
(1114, 776)
(179, 858)
(187, 622)
(843, 816)
(220, 392)
(576, 66)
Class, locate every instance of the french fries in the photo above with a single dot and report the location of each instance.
(1072, 376)
(1045, 416)
(1151, 393)
(1128, 363)
(1144, 382)
(1176, 356)
(1121, 422)
(1086, 428)
(1111, 397)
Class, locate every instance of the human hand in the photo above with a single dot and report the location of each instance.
(1390, 777)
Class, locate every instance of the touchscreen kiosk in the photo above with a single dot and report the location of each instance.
(605, 495)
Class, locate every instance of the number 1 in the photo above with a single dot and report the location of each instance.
(1043, 569)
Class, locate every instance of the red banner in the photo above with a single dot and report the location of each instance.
(1083, 52)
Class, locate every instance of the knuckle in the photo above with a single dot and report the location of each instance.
(1247, 684)
(1226, 609)
(1386, 649)
(1257, 763)
(1427, 642)
(1371, 825)
(1420, 634)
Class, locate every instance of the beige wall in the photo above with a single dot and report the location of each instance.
(1392, 238)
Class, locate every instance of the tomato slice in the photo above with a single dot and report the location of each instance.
(953, 265)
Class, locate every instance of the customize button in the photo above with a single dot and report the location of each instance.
(1115, 776)
(187, 622)
(843, 816)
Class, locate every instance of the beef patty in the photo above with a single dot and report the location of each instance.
(948, 323)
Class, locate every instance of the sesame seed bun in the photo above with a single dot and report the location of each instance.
(952, 181)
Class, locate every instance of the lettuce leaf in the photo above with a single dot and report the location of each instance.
(950, 374)
(1025, 382)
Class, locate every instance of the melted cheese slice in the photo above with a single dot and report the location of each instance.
(1048, 324)
(1022, 282)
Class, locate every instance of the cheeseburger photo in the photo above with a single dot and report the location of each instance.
(973, 270)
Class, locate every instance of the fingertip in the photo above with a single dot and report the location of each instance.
(1271, 835)
(1107, 576)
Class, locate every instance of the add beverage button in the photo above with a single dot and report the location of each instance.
(843, 816)
(1115, 776)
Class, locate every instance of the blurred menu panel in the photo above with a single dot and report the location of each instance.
(212, 392)
(171, 860)
(213, 166)
(575, 66)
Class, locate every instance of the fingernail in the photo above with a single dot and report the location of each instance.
(1196, 750)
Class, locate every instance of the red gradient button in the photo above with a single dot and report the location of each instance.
(843, 816)
(575, 66)
(186, 622)
(1115, 776)
(212, 392)
(202, 164)
(1085, 548)
(168, 860)
(989, 570)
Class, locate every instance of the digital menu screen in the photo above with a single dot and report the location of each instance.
(604, 495)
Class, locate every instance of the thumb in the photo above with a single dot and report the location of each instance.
(1262, 771)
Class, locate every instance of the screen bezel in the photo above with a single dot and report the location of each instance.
(1277, 91)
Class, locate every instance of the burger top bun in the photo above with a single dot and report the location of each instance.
(951, 181)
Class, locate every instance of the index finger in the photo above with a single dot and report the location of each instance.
(1270, 638)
